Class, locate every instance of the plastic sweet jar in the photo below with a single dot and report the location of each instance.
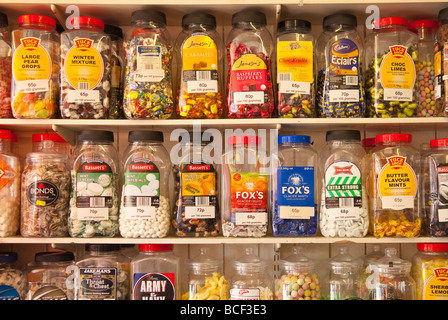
(344, 201)
(45, 193)
(85, 69)
(251, 279)
(429, 270)
(94, 197)
(440, 64)
(196, 178)
(390, 278)
(205, 280)
(295, 69)
(245, 181)
(5, 68)
(35, 67)
(200, 66)
(372, 256)
(395, 170)
(368, 144)
(298, 278)
(294, 190)
(155, 273)
(391, 59)
(49, 276)
(12, 278)
(145, 202)
(250, 92)
(435, 188)
(339, 55)
(102, 273)
(60, 145)
(10, 182)
(426, 31)
(148, 83)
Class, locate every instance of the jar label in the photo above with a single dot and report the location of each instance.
(8, 293)
(295, 66)
(436, 286)
(6, 174)
(398, 74)
(295, 192)
(149, 64)
(97, 283)
(437, 73)
(442, 181)
(249, 80)
(343, 191)
(49, 293)
(397, 184)
(42, 193)
(154, 286)
(343, 75)
(245, 294)
(32, 66)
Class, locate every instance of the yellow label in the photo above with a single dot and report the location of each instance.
(83, 65)
(31, 61)
(198, 184)
(397, 70)
(199, 52)
(438, 63)
(295, 58)
(249, 61)
(436, 286)
(397, 178)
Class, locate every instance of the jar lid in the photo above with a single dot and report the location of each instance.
(390, 21)
(5, 134)
(199, 18)
(38, 137)
(294, 139)
(250, 262)
(8, 257)
(339, 19)
(390, 263)
(343, 135)
(95, 135)
(249, 16)
(244, 140)
(301, 26)
(443, 16)
(3, 20)
(113, 30)
(343, 262)
(86, 21)
(156, 247)
(35, 18)
(425, 23)
(185, 137)
(297, 260)
(375, 254)
(432, 246)
(148, 15)
(142, 135)
(102, 247)
(438, 143)
(54, 256)
(203, 262)
(368, 142)
(405, 137)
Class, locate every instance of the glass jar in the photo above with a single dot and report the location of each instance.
(48, 276)
(12, 278)
(206, 280)
(102, 273)
(372, 256)
(298, 278)
(245, 177)
(145, 204)
(295, 69)
(344, 202)
(395, 170)
(5, 68)
(294, 187)
(340, 54)
(344, 277)
(196, 188)
(35, 67)
(200, 68)
(251, 279)
(85, 70)
(94, 196)
(148, 84)
(391, 74)
(249, 67)
(59, 143)
(390, 278)
(426, 31)
(117, 71)
(429, 270)
(440, 63)
(9, 187)
(45, 194)
(155, 273)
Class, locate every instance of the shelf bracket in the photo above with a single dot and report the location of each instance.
(68, 134)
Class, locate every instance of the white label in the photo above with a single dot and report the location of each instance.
(397, 94)
(398, 202)
(204, 212)
(287, 212)
(248, 97)
(140, 212)
(437, 91)
(344, 95)
(245, 294)
(96, 214)
(443, 215)
(251, 218)
(83, 96)
(33, 86)
(202, 86)
(149, 75)
(343, 214)
(294, 87)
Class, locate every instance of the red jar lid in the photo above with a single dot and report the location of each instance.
(432, 246)
(368, 142)
(438, 143)
(156, 247)
(35, 18)
(243, 140)
(37, 137)
(5, 134)
(90, 21)
(390, 21)
(426, 23)
(405, 137)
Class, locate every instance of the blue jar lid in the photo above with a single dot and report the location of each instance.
(8, 257)
(294, 139)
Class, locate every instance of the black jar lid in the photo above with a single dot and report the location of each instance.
(206, 137)
(8, 257)
(113, 30)
(142, 135)
(148, 15)
(249, 16)
(443, 16)
(3, 20)
(198, 18)
(95, 135)
(343, 135)
(339, 19)
(301, 26)
(54, 256)
(102, 247)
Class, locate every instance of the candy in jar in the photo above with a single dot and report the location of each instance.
(148, 87)
(5, 68)
(200, 68)
(117, 71)
(249, 75)
(12, 278)
(35, 86)
(441, 63)
(85, 70)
